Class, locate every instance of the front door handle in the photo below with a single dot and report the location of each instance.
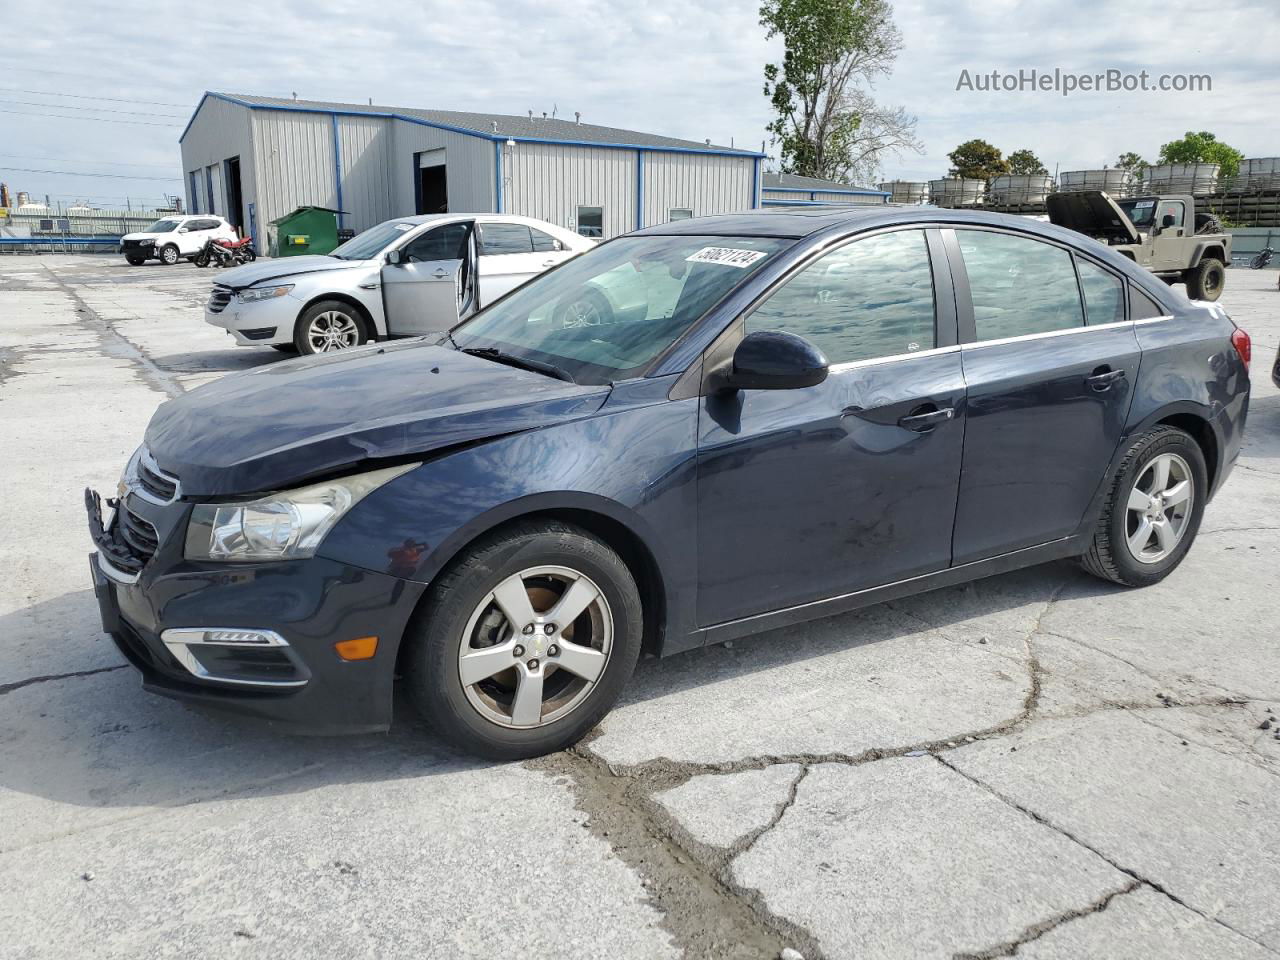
(925, 418)
(548, 263)
(1103, 378)
(440, 273)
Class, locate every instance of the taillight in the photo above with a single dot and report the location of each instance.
(1244, 346)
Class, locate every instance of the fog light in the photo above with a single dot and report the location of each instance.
(360, 648)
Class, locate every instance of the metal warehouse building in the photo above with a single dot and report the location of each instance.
(789, 190)
(253, 159)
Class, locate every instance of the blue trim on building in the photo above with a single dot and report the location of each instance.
(253, 225)
(465, 131)
(193, 184)
(497, 176)
(208, 189)
(639, 189)
(755, 184)
(337, 167)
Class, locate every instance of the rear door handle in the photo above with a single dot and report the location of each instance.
(925, 418)
(548, 263)
(1102, 379)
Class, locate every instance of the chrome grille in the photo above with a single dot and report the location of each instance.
(138, 535)
(219, 299)
(162, 487)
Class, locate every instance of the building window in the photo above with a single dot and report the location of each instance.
(680, 213)
(591, 221)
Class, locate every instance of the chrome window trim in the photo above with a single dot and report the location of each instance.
(977, 344)
(874, 361)
(178, 640)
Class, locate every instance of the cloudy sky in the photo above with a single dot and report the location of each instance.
(667, 66)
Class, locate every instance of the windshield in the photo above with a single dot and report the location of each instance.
(367, 245)
(1141, 212)
(162, 226)
(607, 313)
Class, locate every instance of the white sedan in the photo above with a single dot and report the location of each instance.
(404, 277)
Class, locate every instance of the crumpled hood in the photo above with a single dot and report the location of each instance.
(279, 425)
(281, 268)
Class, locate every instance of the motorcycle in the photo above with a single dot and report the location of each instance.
(226, 253)
(1262, 258)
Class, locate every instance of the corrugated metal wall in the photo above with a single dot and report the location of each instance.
(367, 189)
(294, 152)
(704, 184)
(220, 131)
(550, 182)
(817, 196)
(469, 159)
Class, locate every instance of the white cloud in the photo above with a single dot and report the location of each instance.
(667, 66)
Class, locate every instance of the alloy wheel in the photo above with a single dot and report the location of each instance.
(581, 313)
(331, 330)
(1159, 508)
(535, 647)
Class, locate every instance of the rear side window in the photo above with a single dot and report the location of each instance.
(544, 242)
(497, 239)
(1019, 286)
(1142, 307)
(869, 299)
(1103, 294)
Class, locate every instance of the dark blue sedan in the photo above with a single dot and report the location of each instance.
(696, 432)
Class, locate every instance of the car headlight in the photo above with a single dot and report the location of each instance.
(147, 241)
(263, 293)
(284, 526)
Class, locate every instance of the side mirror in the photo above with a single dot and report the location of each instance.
(1167, 221)
(184, 229)
(772, 360)
(395, 257)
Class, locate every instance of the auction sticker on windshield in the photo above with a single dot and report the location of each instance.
(726, 256)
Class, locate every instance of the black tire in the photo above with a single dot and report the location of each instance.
(302, 343)
(590, 308)
(1109, 556)
(1205, 280)
(250, 255)
(284, 347)
(430, 658)
(169, 255)
(135, 261)
(200, 260)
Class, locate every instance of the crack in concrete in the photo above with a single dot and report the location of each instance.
(47, 678)
(706, 912)
(1127, 871)
(1038, 930)
(115, 344)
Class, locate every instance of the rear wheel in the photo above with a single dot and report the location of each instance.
(1153, 511)
(328, 326)
(169, 255)
(526, 642)
(1205, 280)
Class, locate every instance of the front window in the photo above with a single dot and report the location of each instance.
(162, 226)
(368, 245)
(605, 315)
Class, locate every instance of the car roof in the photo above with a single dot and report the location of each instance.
(444, 217)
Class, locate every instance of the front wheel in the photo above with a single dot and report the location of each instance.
(201, 260)
(169, 255)
(1205, 280)
(526, 642)
(1153, 510)
(328, 326)
(135, 261)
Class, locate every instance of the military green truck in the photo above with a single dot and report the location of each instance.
(1165, 234)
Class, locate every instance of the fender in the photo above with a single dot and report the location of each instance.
(1206, 246)
(414, 526)
(311, 288)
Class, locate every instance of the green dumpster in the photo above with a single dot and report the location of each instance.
(305, 230)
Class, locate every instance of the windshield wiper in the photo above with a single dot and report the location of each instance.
(493, 353)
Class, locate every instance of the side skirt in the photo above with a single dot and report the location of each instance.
(814, 610)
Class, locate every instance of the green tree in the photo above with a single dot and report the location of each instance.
(825, 121)
(1025, 163)
(977, 160)
(1203, 147)
(1132, 162)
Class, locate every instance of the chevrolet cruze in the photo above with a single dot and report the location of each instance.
(786, 416)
